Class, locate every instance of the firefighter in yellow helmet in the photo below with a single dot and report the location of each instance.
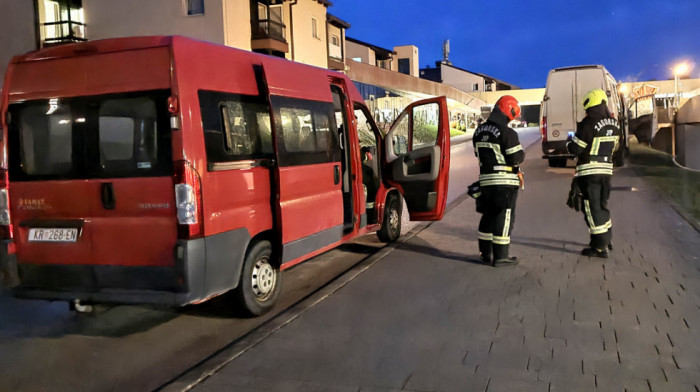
(597, 138)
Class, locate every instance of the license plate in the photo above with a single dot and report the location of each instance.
(53, 235)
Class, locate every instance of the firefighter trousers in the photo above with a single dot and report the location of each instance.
(596, 192)
(497, 220)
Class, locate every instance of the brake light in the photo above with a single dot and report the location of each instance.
(188, 201)
(543, 128)
(5, 224)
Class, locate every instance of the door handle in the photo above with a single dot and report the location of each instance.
(336, 174)
(108, 200)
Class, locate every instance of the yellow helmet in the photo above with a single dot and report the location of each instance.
(594, 98)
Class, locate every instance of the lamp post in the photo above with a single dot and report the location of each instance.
(677, 71)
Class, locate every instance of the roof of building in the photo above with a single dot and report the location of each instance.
(487, 77)
(334, 20)
(325, 2)
(381, 53)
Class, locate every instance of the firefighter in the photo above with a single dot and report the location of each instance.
(597, 138)
(499, 152)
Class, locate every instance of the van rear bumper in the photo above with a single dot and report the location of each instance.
(556, 149)
(197, 273)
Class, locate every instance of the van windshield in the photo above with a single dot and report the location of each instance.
(108, 136)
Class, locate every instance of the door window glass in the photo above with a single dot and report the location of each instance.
(399, 138)
(425, 125)
(307, 131)
(46, 137)
(236, 127)
(128, 135)
(108, 136)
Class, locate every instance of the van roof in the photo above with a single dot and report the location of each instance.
(92, 47)
(577, 67)
(281, 80)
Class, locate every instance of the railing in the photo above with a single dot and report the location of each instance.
(268, 28)
(335, 52)
(63, 31)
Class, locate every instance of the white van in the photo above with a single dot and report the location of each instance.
(561, 109)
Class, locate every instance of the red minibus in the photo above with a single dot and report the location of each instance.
(170, 170)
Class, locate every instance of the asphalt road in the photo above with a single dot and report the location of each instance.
(44, 346)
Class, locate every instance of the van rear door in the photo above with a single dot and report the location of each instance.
(417, 157)
(92, 181)
(560, 105)
(587, 79)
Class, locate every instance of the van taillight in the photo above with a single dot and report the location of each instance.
(543, 128)
(188, 201)
(5, 224)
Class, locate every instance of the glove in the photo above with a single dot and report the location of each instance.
(521, 177)
(575, 199)
(474, 190)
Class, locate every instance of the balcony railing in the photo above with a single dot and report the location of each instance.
(63, 31)
(268, 28)
(335, 52)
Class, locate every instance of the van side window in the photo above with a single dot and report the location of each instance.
(306, 130)
(46, 138)
(236, 127)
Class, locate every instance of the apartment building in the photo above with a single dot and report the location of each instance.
(299, 30)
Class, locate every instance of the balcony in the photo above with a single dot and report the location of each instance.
(61, 32)
(269, 36)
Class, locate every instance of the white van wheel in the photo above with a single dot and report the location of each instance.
(260, 281)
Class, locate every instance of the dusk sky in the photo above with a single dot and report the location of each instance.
(520, 41)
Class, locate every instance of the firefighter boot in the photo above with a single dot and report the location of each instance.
(485, 252)
(501, 258)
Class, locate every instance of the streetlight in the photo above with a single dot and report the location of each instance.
(679, 69)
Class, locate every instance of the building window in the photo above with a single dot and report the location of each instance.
(405, 66)
(195, 7)
(488, 87)
(475, 87)
(268, 22)
(61, 21)
(314, 27)
(335, 40)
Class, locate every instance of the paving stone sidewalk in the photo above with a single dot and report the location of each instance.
(428, 318)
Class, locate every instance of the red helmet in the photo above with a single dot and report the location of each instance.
(509, 106)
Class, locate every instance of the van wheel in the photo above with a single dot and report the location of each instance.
(260, 281)
(557, 162)
(391, 224)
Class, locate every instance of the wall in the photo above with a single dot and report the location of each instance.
(237, 30)
(304, 47)
(123, 18)
(18, 31)
(391, 80)
(354, 50)
(461, 79)
(409, 52)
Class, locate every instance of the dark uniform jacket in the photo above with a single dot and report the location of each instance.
(499, 151)
(597, 137)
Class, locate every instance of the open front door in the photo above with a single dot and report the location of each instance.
(417, 157)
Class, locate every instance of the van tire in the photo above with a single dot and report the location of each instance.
(557, 162)
(260, 281)
(391, 224)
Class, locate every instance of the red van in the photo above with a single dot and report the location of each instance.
(170, 170)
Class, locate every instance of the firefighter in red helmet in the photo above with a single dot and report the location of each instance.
(498, 149)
